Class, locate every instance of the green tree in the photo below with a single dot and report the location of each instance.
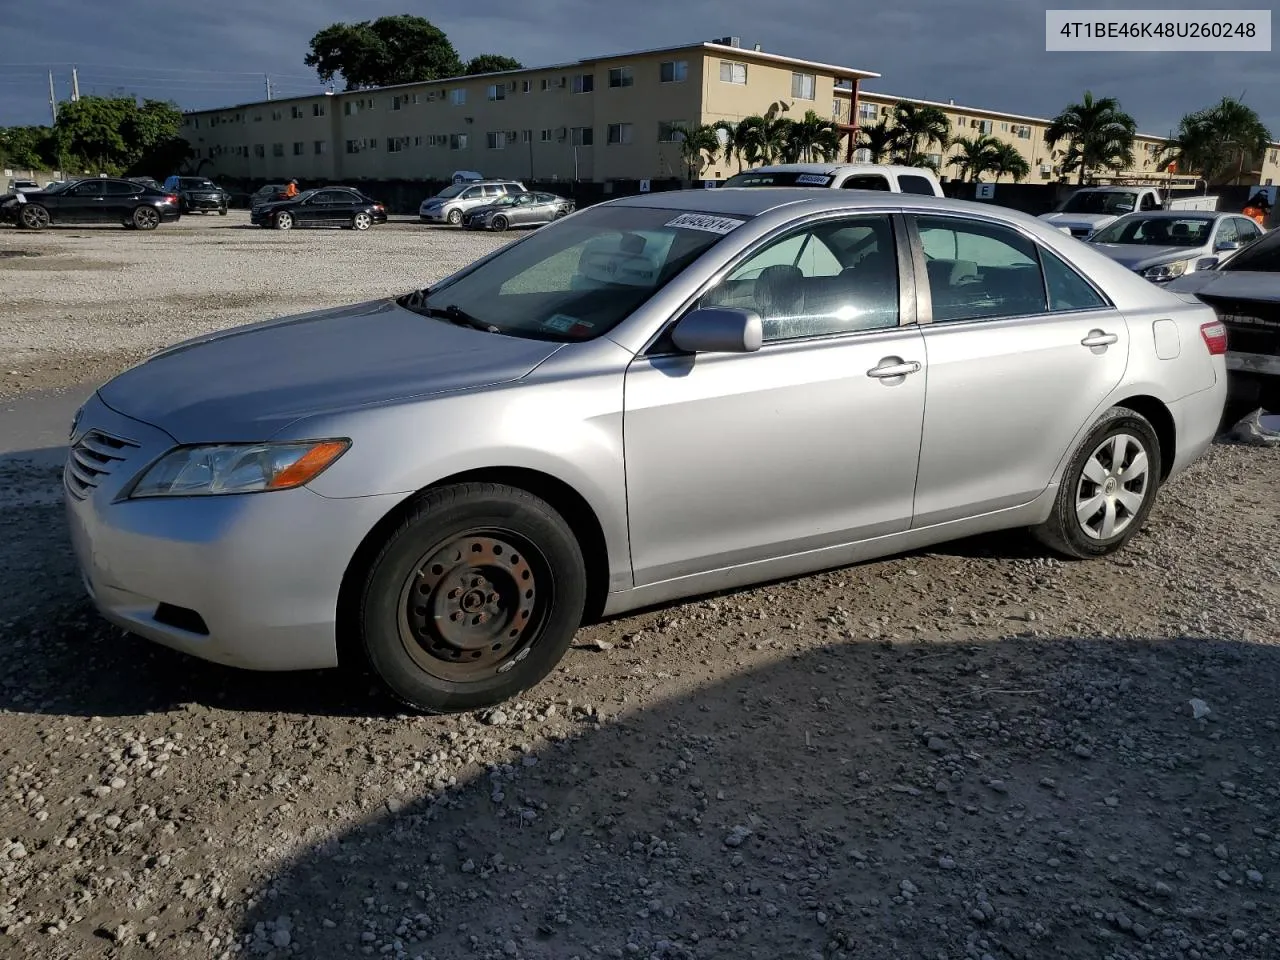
(878, 140)
(28, 148)
(115, 134)
(1007, 160)
(699, 147)
(810, 138)
(1225, 141)
(382, 52)
(491, 63)
(1097, 133)
(918, 129)
(977, 155)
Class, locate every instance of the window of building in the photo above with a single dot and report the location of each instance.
(731, 72)
(584, 83)
(621, 77)
(353, 146)
(370, 144)
(526, 86)
(495, 140)
(317, 109)
(417, 141)
(277, 149)
(350, 108)
(417, 98)
(673, 71)
(862, 155)
(868, 111)
(259, 150)
(980, 271)
(394, 144)
(671, 131)
(397, 102)
(457, 141)
(299, 148)
(526, 136)
(497, 91)
(458, 96)
(619, 133)
(257, 118)
(277, 114)
(545, 135)
(321, 147)
(584, 136)
(804, 86)
(296, 112)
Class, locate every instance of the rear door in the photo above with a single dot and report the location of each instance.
(1022, 350)
(119, 199)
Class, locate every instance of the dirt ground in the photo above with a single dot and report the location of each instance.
(972, 752)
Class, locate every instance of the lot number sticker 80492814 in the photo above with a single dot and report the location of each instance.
(702, 221)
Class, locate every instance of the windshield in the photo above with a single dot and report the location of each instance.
(305, 196)
(787, 178)
(1100, 202)
(196, 183)
(1261, 256)
(1156, 232)
(579, 278)
(58, 187)
(452, 191)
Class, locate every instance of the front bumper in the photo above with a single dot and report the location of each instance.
(433, 216)
(204, 203)
(246, 580)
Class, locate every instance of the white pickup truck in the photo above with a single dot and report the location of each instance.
(1092, 208)
(841, 176)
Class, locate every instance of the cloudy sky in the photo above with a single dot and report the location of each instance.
(988, 53)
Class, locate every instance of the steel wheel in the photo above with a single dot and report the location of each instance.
(362, 221)
(146, 218)
(35, 217)
(1113, 487)
(284, 221)
(474, 605)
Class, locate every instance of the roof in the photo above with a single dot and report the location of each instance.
(740, 53)
(831, 169)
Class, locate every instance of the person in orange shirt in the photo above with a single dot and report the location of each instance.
(1258, 209)
(291, 189)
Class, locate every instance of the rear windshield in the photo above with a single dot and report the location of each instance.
(786, 178)
(580, 277)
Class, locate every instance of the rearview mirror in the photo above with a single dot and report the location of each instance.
(719, 330)
(1227, 245)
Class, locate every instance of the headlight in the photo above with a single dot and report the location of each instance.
(1167, 271)
(225, 468)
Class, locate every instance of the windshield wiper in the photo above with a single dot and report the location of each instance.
(456, 315)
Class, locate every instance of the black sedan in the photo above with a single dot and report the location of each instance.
(96, 200)
(325, 207)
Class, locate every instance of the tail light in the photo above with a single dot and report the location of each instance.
(1215, 337)
(171, 198)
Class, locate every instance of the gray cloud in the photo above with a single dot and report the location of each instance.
(987, 53)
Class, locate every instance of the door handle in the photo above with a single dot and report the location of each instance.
(1099, 338)
(891, 367)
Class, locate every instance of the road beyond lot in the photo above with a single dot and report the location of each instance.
(974, 752)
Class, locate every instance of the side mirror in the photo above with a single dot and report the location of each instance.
(1226, 245)
(719, 330)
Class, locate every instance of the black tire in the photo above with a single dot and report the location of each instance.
(454, 218)
(419, 592)
(1068, 531)
(500, 223)
(283, 220)
(145, 218)
(34, 217)
(222, 211)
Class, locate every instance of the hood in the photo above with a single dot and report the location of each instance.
(248, 383)
(1137, 256)
(1230, 284)
(1079, 221)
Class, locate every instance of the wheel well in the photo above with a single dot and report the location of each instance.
(567, 502)
(1160, 417)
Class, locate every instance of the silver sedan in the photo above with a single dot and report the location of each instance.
(653, 398)
(518, 210)
(1164, 245)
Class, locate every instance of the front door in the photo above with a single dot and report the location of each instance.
(1015, 372)
(810, 442)
(84, 203)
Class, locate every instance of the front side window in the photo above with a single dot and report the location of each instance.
(579, 278)
(979, 271)
(838, 277)
(1227, 232)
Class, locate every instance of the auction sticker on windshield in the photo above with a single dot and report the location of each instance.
(813, 179)
(702, 221)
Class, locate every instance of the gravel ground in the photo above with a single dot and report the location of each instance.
(973, 752)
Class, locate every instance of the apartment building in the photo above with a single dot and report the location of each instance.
(1025, 133)
(603, 118)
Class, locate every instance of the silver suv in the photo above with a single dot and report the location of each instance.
(453, 201)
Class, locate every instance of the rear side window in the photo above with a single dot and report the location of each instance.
(912, 183)
(872, 181)
(118, 188)
(1067, 289)
(979, 270)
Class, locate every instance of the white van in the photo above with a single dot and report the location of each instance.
(841, 176)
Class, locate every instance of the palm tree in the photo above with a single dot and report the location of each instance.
(977, 155)
(1007, 160)
(1218, 143)
(918, 129)
(810, 138)
(699, 147)
(1098, 134)
(878, 140)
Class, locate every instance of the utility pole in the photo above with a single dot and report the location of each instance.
(267, 78)
(75, 85)
(53, 99)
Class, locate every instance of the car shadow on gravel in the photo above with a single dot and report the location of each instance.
(1024, 798)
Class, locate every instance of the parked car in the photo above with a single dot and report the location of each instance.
(93, 200)
(841, 176)
(1244, 290)
(323, 207)
(264, 195)
(1167, 244)
(659, 396)
(1092, 208)
(518, 210)
(23, 186)
(150, 182)
(198, 193)
(449, 205)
